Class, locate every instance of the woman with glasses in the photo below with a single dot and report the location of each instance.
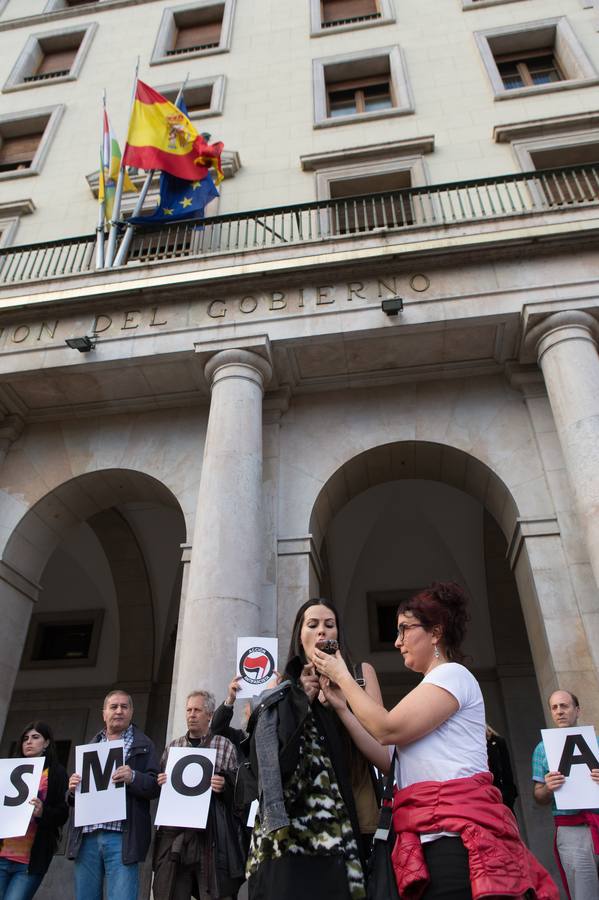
(455, 839)
(25, 860)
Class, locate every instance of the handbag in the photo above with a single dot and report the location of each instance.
(381, 884)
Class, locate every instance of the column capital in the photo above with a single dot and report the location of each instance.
(230, 363)
(574, 324)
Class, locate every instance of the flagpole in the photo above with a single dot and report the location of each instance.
(116, 211)
(123, 253)
(102, 205)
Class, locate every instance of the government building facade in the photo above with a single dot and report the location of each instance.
(373, 367)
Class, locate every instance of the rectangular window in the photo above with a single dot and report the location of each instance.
(197, 29)
(535, 67)
(55, 56)
(203, 96)
(17, 153)
(342, 12)
(54, 64)
(63, 639)
(194, 35)
(569, 186)
(361, 209)
(366, 84)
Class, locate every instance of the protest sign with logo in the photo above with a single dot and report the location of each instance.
(256, 663)
(185, 798)
(19, 783)
(98, 798)
(573, 752)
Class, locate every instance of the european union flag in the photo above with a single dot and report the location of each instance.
(180, 200)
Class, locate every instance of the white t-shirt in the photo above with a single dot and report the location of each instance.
(458, 747)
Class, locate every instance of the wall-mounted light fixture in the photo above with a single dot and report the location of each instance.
(392, 306)
(82, 344)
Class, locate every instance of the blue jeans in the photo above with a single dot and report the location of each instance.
(15, 881)
(101, 856)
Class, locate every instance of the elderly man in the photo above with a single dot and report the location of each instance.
(201, 863)
(112, 851)
(577, 858)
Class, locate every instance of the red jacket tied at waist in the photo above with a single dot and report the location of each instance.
(499, 861)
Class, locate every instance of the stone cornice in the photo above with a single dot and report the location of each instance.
(530, 527)
(388, 150)
(69, 12)
(534, 128)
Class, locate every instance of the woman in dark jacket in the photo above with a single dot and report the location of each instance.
(315, 786)
(25, 860)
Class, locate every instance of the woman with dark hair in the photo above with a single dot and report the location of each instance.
(455, 838)
(25, 860)
(309, 840)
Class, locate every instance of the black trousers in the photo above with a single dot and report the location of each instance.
(447, 862)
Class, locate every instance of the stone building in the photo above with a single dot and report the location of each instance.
(374, 367)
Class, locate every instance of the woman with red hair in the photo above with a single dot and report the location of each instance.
(455, 838)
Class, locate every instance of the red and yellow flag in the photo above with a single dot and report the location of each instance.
(161, 137)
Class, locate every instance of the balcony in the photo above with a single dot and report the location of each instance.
(475, 207)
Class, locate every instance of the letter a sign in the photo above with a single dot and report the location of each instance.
(98, 799)
(573, 752)
(19, 783)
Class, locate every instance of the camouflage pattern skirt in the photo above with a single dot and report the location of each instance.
(319, 823)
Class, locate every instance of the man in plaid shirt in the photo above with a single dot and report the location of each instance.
(113, 850)
(206, 863)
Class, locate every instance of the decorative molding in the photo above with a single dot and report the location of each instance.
(275, 405)
(505, 134)
(31, 54)
(572, 318)
(526, 378)
(530, 527)
(19, 582)
(301, 546)
(388, 150)
(53, 14)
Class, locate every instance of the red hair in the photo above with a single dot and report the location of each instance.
(441, 605)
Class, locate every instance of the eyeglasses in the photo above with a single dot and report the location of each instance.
(401, 630)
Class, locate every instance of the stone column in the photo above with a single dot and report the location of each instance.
(225, 576)
(567, 354)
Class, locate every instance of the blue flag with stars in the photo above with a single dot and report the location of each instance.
(180, 200)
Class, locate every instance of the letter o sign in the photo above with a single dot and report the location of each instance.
(196, 789)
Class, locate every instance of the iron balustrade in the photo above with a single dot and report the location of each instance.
(430, 206)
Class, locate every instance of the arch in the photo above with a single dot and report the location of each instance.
(417, 460)
(49, 520)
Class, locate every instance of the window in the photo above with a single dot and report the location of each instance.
(204, 97)
(54, 5)
(363, 173)
(197, 29)
(63, 639)
(341, 15)
(359, 86)
(472, 4)
(25, 140)
(50, 57)
(534, 57)
(382, 616)
(536, 67)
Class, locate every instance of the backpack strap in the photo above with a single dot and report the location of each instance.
(359, 675)
(386, 813)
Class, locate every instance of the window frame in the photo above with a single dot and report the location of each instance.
(53, 115)
(478, 4)
(94, 616)
(22, 67)
(217, 95)
(168, 24)
(578, 69)
(401, 91)
(387, 17)
(522, 64)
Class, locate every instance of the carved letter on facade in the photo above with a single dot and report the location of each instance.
(96, 329)
(277, 300)
(322, 294)
(128, 320)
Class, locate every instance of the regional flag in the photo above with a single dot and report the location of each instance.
(162, 137)
(110, 164)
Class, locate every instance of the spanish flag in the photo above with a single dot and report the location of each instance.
(162, 137)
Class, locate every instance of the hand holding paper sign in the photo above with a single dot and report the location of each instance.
(187, 787)
(19, 783)
(99, 791)
(573, 759)
(256, 664)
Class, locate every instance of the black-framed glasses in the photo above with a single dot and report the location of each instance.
(403, 627)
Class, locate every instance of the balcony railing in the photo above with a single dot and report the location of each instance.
(429, 207)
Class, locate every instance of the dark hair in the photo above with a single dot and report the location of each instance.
(295, 644)
(44, 729)
(572, 696)
(443, 604)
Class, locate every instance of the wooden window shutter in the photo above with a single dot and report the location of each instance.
(57, 61)
(337, 10)
(19, 151)
(201, 35)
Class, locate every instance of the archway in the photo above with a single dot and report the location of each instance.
(100, 555)
(404, 514)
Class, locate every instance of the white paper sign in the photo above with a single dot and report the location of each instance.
(19, 783)
(253, 812)
(573, 752)
(185, 798)
(256, 663)
(97, 798)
